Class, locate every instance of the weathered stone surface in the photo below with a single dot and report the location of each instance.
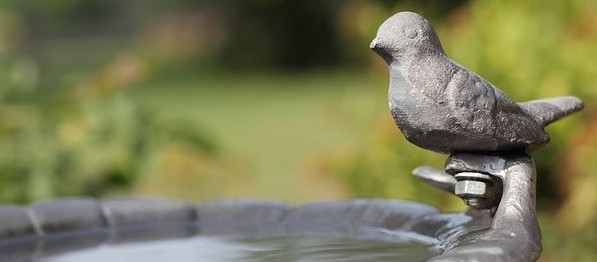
(137, 211)
(61, 222)
(134, 219)
(62, 243)
(66, 215)
(242, 216)
(15, 222)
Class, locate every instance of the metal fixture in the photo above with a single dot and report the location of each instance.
(478, 190)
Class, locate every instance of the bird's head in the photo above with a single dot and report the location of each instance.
(404, 33)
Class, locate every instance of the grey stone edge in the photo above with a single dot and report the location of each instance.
(68, 224)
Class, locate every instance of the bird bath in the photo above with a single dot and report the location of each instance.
(438, 105)
(132, 229)
(151, 229)
(261, 230)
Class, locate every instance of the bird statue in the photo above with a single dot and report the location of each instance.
(442, 106)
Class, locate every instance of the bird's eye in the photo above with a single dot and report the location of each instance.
(411, 33)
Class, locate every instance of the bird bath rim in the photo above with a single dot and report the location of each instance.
(66, 225)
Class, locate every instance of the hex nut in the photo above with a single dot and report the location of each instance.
(477, 190)
(471, 187)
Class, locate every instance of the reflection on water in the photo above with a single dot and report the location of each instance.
(287, 248)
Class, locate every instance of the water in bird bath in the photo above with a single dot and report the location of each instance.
(283, 248)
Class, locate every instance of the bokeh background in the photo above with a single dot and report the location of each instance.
(274, 99)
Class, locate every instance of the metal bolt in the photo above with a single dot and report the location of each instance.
(478, 190)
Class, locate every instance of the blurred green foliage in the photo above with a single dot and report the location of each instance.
(89, 139)
(70, 123)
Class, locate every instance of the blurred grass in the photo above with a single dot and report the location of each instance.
(276, 126)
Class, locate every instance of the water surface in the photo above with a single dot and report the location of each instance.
(285, 248)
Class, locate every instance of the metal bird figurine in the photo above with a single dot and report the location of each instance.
(444, 107)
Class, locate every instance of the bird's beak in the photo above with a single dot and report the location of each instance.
(374, 44)
(378, 47)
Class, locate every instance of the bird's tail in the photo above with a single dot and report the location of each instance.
(547, 110)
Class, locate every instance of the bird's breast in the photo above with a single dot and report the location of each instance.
(403, 102)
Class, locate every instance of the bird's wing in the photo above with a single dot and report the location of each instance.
(492, 110)
(545, 111)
